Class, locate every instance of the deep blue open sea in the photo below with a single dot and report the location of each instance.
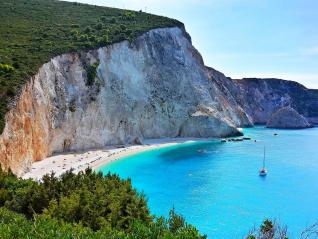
(216, 186)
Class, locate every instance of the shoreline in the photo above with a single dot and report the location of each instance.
(79, 161)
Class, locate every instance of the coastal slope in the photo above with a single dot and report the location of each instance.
(260, 98)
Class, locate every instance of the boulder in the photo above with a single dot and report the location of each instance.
(287, 118)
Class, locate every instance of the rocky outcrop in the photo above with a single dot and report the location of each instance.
(260, 98)
(156, 86)
(287, 118)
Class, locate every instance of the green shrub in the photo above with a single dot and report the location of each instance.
(91, 73)
(176, 222)
(16, 65)
(103, 19)
(87, 205)
(88, 198)
(16, 226)
(10, 92)
(99, 26)
(269, 230)
(103, 40)
(6, 68)
(113, 20)
(88, 30)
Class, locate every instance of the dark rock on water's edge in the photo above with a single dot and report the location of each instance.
(288, 118)
(238, 133)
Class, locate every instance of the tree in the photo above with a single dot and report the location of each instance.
(269, 230)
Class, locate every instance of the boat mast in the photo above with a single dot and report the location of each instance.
(264, 158)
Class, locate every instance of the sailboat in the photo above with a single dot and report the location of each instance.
(263, 171)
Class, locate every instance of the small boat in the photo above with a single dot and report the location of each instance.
(202, 151)
(223, 140)
(263, 171)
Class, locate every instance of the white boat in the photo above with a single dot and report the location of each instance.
(263, 171)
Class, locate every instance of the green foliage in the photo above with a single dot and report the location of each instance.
(87, 205)
(269, 230)
(175, 221)
(43, 29)
(5, 68)
(16, 226)
(88, 30)
(88, 198)
(91, 73)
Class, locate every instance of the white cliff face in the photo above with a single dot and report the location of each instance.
(156, 86)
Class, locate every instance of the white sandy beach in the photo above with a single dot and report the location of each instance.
(95, 158)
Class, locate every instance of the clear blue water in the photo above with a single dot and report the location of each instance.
(216, 185)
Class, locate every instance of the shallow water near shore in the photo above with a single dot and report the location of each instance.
(216, 186)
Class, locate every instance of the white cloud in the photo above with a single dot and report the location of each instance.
(313, 51)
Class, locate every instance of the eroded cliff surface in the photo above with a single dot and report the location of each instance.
(260, 98)
(156, 86)
(287, 118)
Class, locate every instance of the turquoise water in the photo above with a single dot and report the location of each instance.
(216, 185)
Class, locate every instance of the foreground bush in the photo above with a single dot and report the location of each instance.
(88, 198)
(86, 205)
(273, 230)
(269, 230)
(16, 226)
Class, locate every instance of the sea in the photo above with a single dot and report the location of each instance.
(216, 185)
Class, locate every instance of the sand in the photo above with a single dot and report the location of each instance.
(94, 159)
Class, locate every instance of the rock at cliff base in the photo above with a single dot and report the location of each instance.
(138, 141)
(287, 118)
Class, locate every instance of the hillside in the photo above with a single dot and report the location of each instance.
(34, 31)
(260, 98)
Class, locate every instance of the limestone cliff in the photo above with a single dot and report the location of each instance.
(156, 86)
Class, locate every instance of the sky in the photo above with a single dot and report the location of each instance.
(246, 38)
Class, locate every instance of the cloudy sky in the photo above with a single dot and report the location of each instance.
(246, 38)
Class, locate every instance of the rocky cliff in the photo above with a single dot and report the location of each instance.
(260, 98)
(156, 86)
(287, 118)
